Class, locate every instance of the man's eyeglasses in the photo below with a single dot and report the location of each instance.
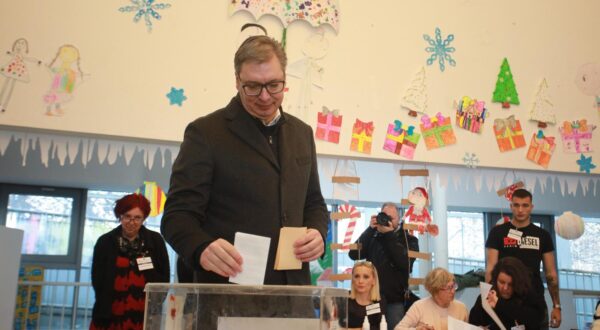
(132, 218)
(451, 286)
(272, 87)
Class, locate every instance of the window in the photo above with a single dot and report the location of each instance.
(50, 218)
(466, 243)
(584, 250)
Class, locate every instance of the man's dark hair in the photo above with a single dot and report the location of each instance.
(520, 274)
(522, 193)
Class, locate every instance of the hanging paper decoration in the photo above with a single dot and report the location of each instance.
(588, 81)
(176, 96)
(509, 134)
(148, 9)
(401, 140)
(569, 226)
(354, 214)
(329, 124)
(576, 136)
(437, 131)
(542, 109)
(155, 195)
(585, 164)
(508, 191)
(541, 149)
(417, 212)
(362, 136)
(471, 114)
(440, 49)
(470, 159)
(505, 92)
(415, 98)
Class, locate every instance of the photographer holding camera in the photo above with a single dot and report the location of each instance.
(385, 244)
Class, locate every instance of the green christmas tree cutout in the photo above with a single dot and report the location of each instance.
(505, 92)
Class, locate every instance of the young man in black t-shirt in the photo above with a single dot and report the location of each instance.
(529, 243)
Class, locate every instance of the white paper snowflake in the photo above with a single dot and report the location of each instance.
(145, 8)
(471, 160)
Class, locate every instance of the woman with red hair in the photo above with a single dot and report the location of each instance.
(125, 259)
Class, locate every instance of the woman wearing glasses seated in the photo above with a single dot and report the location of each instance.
(125, 259)
(365, 300)
(432, 312)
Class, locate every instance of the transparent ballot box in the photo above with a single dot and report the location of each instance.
(230, 306)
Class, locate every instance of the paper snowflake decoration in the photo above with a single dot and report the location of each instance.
(145, 8)
(440, 49)
(585, 164)
(470, 159)
(176, 96)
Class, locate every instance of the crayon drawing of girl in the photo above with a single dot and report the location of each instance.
(15, 70)
(66, 73)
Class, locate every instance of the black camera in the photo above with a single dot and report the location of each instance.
(383, 219)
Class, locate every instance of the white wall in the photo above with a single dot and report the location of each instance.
(368, 66)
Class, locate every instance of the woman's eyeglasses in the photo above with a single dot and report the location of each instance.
(451, 286)
(132, 218)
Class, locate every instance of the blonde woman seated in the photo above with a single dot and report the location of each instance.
(432, 313)
(365, 299)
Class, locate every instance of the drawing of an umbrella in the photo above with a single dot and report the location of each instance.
(315, 12)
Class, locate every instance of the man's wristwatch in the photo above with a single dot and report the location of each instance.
(557, 306)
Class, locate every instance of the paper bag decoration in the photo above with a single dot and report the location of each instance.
(362, 136)
(576, 136)
(541, 149)
(470, 114)
(509, 134)
(285, 259)
(329, 124)
(152, 191)
(401, 140)
(437, 131)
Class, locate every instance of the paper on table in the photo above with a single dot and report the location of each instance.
(456, 324)
(485, 288)
(255, 251)
(285, 258)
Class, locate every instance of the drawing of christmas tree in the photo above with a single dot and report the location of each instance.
(505, 92)
(415, 98)
(542, 109)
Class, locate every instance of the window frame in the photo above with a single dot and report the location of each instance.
(72, 258)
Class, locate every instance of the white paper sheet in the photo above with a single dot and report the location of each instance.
(485, 288)
(456, 324)
(255, 251)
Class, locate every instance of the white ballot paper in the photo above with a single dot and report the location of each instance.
(485, 288)
(456, 324)
(255, 251)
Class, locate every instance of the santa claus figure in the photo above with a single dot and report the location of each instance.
(417, 213)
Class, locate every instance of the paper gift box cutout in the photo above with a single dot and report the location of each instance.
(576, 136)
(437, 131)
(509, 134)
(362, 136)
(470, 114)
(401, 140)
(541, 149)
(329, 124)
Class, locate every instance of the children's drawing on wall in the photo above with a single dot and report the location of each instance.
(542, 110)
(15, 70)
(576, 136)
(145, 8)
(470, 114)
(588, 81)
(506, 91)
(66, 75)
(415, 98)
(440, 49)
(309, 71)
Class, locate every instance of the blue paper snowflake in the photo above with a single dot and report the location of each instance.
(176, 96)
(145, 8)
(585, 164)
(470, 160)
(439, 49)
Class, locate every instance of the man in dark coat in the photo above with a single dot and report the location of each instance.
(246, 168)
